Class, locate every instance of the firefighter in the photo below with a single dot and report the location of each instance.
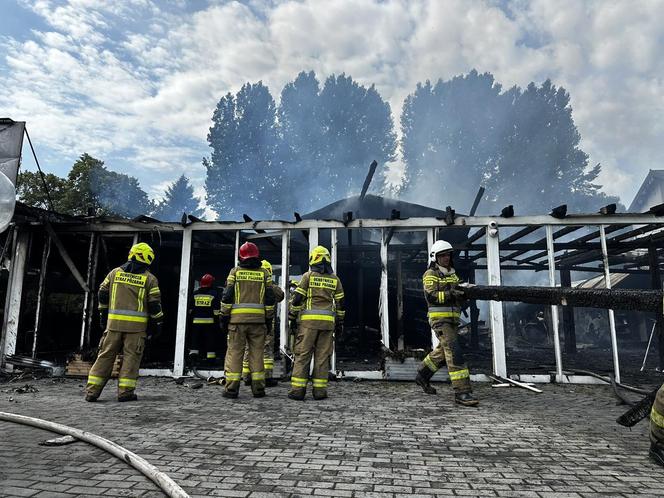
(444, 298)
(247, 311)
(205, 317)
(268, 352)
(657, 428)
(316, 312)
(128, 297)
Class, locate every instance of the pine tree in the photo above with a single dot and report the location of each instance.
(178, 199)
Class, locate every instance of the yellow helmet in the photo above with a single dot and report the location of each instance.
(142, 253)
(265, 264)
(318, 255)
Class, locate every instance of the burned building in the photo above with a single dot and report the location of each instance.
(54, 263)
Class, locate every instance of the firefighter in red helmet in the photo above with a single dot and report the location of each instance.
(247, 311)
(204, 323)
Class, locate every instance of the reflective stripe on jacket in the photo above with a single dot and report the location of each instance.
(207, 305)
(130, 298)
(247, 288)
(436, 283)
(321, 302)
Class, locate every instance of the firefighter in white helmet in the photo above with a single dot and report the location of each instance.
(444, 299)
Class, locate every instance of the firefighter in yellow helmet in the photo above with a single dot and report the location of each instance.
(316, 311)
(268, 351)
(444, 298)
(129, 296)
(247, 311)
(657, 428)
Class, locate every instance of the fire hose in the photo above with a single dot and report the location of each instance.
(165, 483)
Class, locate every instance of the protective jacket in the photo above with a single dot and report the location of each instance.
(207, 305)
(248, 296)
(318, 300)
(437, 282)
(131, 295)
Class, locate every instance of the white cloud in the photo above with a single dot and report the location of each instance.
(135, 82)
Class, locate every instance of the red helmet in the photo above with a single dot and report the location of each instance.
(248, 250)
(207, 280)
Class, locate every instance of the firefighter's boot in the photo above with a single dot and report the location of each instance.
(656, 453)
(91, 398)
(127, 396)
(231, 394)
(466, 399)
(269, 380)
(423, 379)
(319, 393)
(297, 394)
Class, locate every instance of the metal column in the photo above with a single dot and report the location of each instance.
(88, 299)
(285, 278)
(431, 236)
(495, 307)
(554, 308)
(383, 300)
(14, 293)
(313, 238)
(40, 292)
(612, 318)
(183, 302)
(334, 251)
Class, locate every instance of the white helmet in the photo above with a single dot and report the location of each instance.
(438, 247)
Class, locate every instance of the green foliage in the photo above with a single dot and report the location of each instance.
(244, 175)
(522, 145)
(89, 186)
(313, 149)
(178, 199)
(31, 191)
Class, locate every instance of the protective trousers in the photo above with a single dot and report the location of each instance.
(203, 340)
(131, 345)
(316, 342)
(657, 419)
(268, 357)
(449, 351)
(239, 336)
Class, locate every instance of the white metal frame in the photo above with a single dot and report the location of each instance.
(554, 308)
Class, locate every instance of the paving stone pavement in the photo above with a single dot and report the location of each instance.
(369, 439)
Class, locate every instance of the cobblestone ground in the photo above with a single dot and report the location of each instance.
(369, 439)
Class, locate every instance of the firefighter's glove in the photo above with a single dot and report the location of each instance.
(268, 324)
(223, 323)
(103, 319)
(457, 295)
(338, 329)
(155, 331)
(293, 325)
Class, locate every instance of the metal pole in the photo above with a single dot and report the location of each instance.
(237, 247)
(13, 297)
(313, 238)
(334, 242)
(87, 294)
(495, 307)
(554, 309)
(612, 318)
(285, 278)
(40, 292)
(400, 332)
(431, 236)
(183, 302)
(383, 300)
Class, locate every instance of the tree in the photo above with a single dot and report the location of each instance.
(244, 174)
(331, 135)
(178, 199)
(30, 190)
(92, 186)
(523, 146)
(88, 186)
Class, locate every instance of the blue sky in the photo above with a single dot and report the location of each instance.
(134, 82)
